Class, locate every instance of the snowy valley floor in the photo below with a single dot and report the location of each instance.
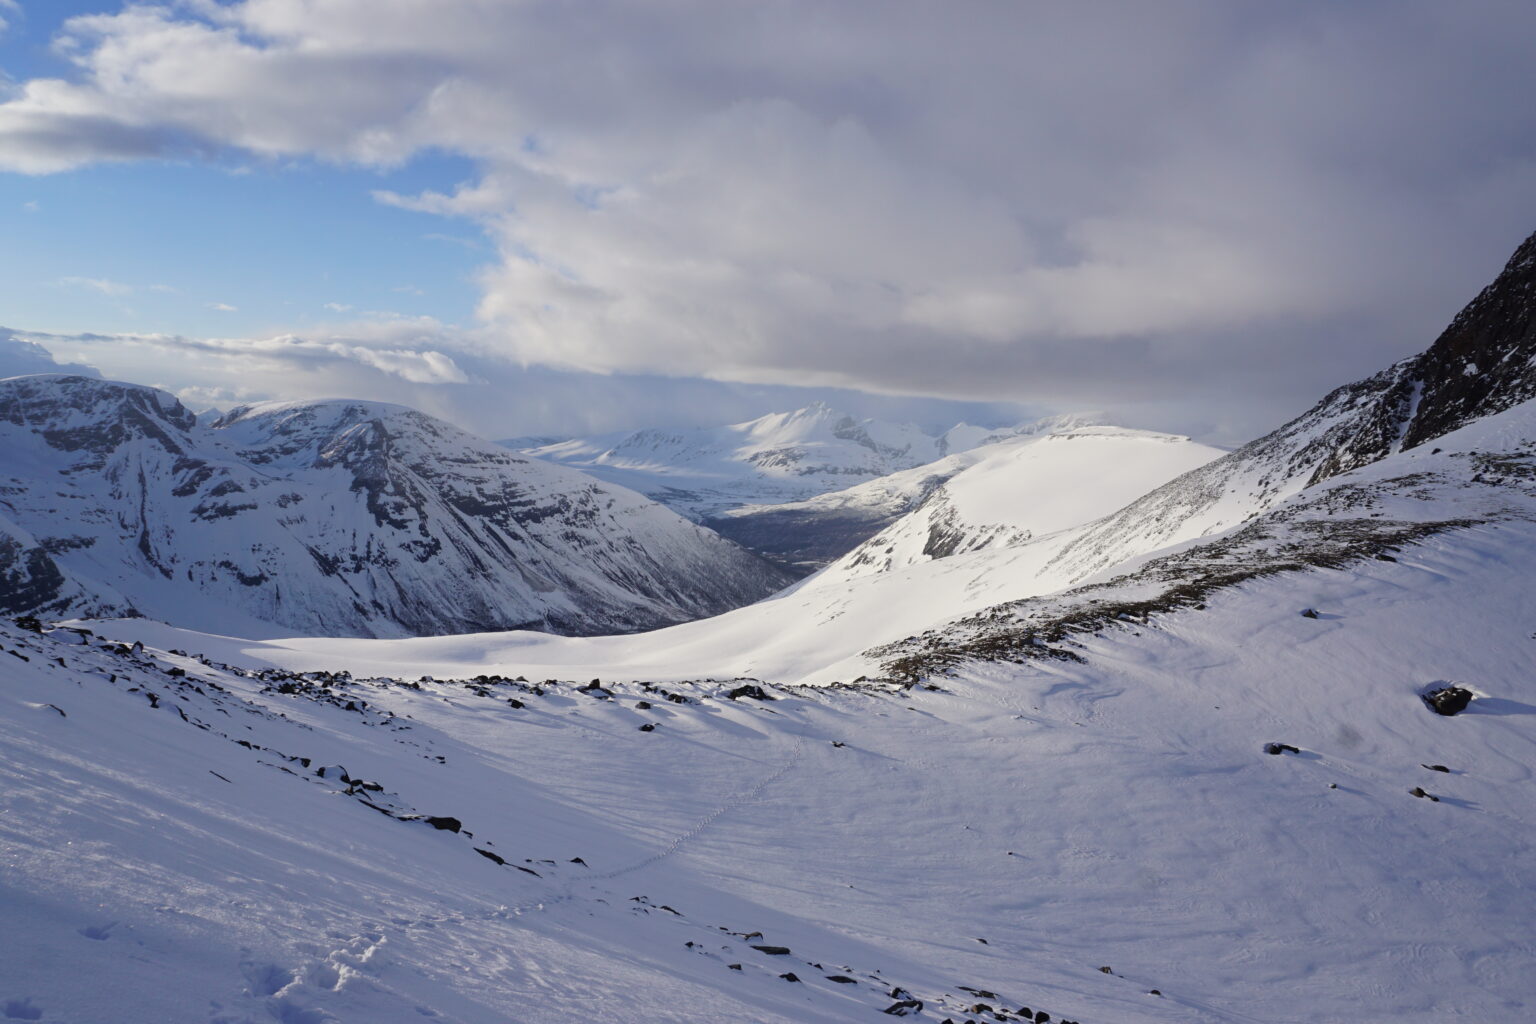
(996, 842)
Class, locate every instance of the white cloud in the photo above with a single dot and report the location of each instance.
(115, 289)
(338, 307)
(8, 9)
(223, 307)
(1029, 200)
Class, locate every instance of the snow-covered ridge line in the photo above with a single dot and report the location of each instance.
(1403, 407)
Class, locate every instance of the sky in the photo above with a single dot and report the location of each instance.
(553, 217)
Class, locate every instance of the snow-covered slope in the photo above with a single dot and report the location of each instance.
(1481, 364)
(339, 518)
(993, 843)
(777, 458)
(812, 533)
(1008, 493)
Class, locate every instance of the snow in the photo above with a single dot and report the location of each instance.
(1166, 762)
(778, 458)
(1117, 812)
(1008, 492)
(349, 517)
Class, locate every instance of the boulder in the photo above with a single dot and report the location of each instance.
(1448, 700)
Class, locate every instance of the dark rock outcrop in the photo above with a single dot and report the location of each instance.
(1448, 700)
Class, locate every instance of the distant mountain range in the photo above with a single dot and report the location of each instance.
(800, 488)
(335, 518)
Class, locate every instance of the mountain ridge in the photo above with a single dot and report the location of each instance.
(357, 517)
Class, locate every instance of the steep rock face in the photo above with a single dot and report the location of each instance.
(332, 517)
(1480, 365)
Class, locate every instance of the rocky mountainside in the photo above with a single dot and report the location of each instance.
(335, 518)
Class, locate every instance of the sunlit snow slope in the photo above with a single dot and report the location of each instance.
(169, 856)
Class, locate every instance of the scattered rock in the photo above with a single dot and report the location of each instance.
(789, 977)
(841, 979)
(643, 705)
(904, 1008)
(1154, 992)
(488, 855)
(648, 727)
(1309, 613)
(733, 967)
(578, 860)
(773, 950)
(444, 824)
(1419, 792)
(749, 690)
(1280, 748)
(1448, 700)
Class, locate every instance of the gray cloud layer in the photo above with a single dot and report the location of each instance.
(1182, 203)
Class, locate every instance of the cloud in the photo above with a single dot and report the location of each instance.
(115, 289)
(8, 9)
(430, 366)
(223, 307)
(19, 355)
(338, 307)
(1185, 202)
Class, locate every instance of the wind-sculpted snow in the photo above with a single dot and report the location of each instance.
(339, 518)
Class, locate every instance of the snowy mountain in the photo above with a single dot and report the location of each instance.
(780, 457)
(1204, 785)
(810, 534)
(1008, 493)
(339, 518)
(1481, 364)
(779, 485)
(1015, 579)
